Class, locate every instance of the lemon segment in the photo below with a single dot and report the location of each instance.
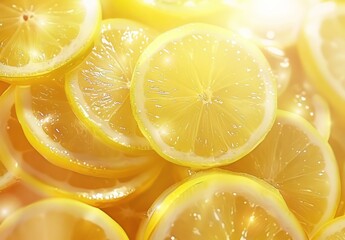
(60, 219)
(98, 89)
(218, 204)
(203, 96)
(39, 37)
(300, 163)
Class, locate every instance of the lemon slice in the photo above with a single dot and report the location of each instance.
(60, 219)
(332, 230)
(300, 163)
(54, 130)
(321, 48)
(203, 96)
(21, 159)
(218, 204)
(39, 37)
(98, 90)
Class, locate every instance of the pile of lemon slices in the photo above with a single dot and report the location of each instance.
(172, 119)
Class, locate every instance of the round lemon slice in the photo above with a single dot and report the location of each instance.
(203, 96)
(60, 219)
(98, 89)
(218, 204)
(39, 37)
(300, 163)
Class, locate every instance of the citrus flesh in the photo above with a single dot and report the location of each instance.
(57, 218)
(321, 46)
(202, 96)
(299, 162)
(218, 204)
(39, 37)
(126, 190)
(98, 89)
(26, 163)
(54, 130)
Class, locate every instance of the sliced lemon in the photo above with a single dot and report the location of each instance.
(218, 204)
(321, 48)
(203, 96)
(54, 130)
(98, 89)
(39, 37)
(332, 230)
(25, 162)
(300, 163)
(60, 219)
